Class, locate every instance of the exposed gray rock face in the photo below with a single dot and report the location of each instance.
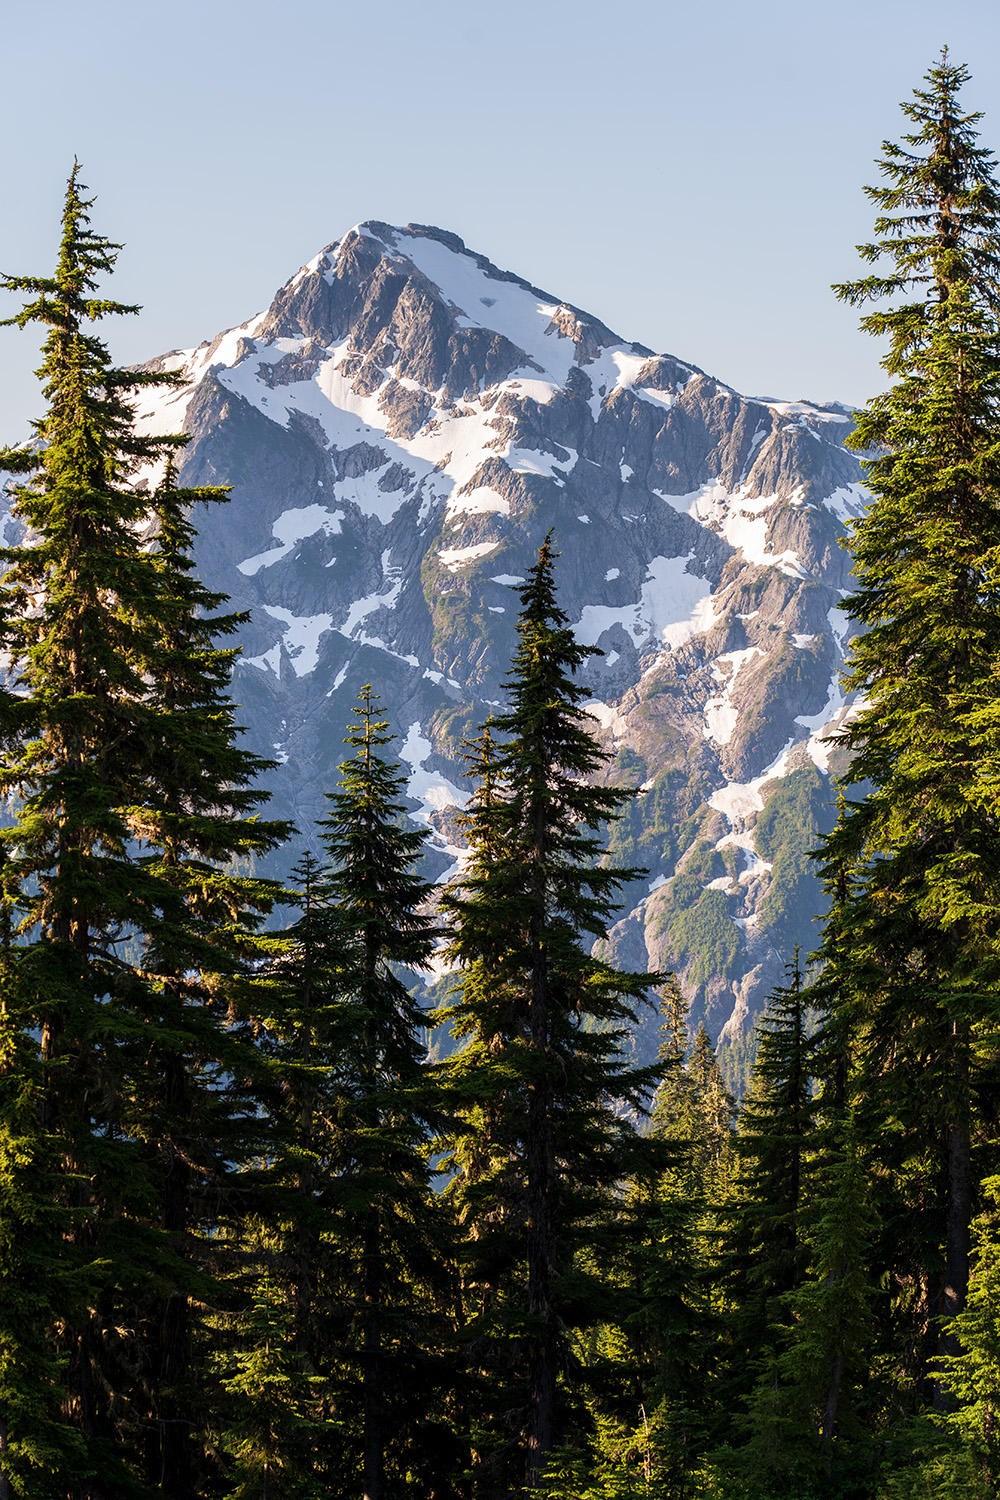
(400, 429)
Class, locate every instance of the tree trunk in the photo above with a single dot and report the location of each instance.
(5, 1490)
(374, 1440)
(541, 1176)
(959, 1191)
(168, 1462)
(830, 1410)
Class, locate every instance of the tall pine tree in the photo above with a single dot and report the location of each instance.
(916, 962)
(542, 1020)
(121, 738)
(353, 1229)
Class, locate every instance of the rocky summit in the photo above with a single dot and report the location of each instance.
(400, 429)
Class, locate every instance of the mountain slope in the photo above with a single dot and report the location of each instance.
(400, 428)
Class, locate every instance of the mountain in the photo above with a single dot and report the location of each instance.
(400, 428)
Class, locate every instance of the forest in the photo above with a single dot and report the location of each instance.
(257, 1242)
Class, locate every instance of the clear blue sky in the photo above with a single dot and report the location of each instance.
(689, 172)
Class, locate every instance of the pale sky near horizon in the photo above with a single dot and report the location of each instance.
(691, 174)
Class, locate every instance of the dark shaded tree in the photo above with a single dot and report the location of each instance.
(918, 935)
(351, 1227)
(121, 738)
(546, 1092)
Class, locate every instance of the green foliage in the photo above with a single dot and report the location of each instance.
(924, 1463)
(136, 945)
(226, 1267)
(573, 1474)
(698, 924)
(797, 814)
(972, 1376)
(913, 952)
(271, 1434)
(540, 1151)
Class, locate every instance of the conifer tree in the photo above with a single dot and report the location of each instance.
(39, 1454)
(917, 956)
(692, 1106)
(765, 1256)
(357, 1237)
(77, 632)
(392, 1246)
(972, 1378)
(197, 824)
(776, 1134)
(671, 1117)
(270, 1436)
(122, 736)
(714, 1120)
(276, 1345)
(831, 1311)
(542, 1018)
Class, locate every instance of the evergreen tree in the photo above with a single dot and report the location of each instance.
(776, 1134)
(672, 1115)
(276, 1346)
(692, 1106)
(714, 1120)
(270, 1436)
(678, 1314)
(392, 1249)
(973, 1377)
(542, 1019)
(916, 961)
(78, 635)
(39, 1454)
(121, 738)
(765, 1254)
(356, 1235)
(831, 1311)
(197, 825)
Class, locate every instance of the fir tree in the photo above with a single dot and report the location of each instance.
(916, 961)
(122, 738)
(270, 1436)
(39, 1454)
(77, 630)
(765, 1254)
(714, 1120)
(831, 1311)
(972, 1378)
(776, 1134)
(197, 824)
(542, 1018)
(275, 1251)
(362, 1244)
(393, 1243)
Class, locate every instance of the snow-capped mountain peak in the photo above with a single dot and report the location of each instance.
(401, 426)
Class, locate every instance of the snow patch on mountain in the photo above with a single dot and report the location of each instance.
(510, 309)
(607, 716)
(740, 801)
(720, 712)
(460, 557)
(381, 362)
(302, 635)
(480, 501)
(434, 793)
(678, 603)
(848, 502)
(746, 529)
(673, 606)
(291, 527)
